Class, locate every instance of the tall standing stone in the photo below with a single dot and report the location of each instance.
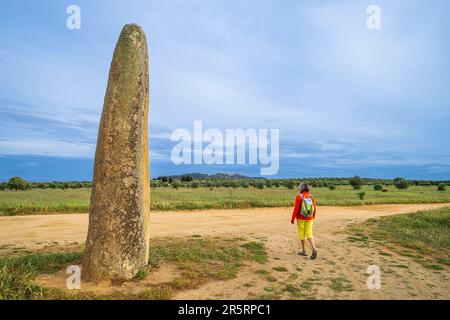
(117, 244)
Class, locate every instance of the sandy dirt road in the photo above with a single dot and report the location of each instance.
(339, 272)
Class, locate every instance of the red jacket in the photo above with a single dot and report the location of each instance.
(298, 204)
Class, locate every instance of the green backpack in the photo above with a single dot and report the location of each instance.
(307, 208)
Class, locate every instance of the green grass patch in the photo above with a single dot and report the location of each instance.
(280, 269)
(307, 284)
(294, 291)
(341, 284)
(257, 251)
(271, 278)
(422, 235)
(39, 201)
(262, 272)
(199, 260)
(17, 273)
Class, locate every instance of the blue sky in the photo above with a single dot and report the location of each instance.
(347, 100)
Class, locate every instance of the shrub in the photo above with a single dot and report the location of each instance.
(332, 187)
(260, 185)
(378, 187)
(186, 178)
(400, 183)
(356, 182)
(17, 183)
(290, 184)
(361, 195)
(441, 187)
(176, 184)
(154, 184)
(195, 184)
(77, 185)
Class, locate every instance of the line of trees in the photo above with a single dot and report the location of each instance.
(331, 183)
(18, 183)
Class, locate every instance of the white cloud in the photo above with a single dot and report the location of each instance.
(47, 147)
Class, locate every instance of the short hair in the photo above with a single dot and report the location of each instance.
(303, 187)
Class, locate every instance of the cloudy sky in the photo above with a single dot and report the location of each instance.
(347, 100)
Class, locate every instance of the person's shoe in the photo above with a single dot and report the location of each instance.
(302, 253)
(314, 255)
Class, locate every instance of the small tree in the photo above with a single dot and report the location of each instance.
(17, 183)
(195, 184)
(260, 185)
(378, 187)
(441, 187)
(290, 184)
(401, 183)
(78, 185)
(356, 182)
(186, 178)
(361, 195)
(176, 184)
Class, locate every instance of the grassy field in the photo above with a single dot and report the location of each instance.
(38, 201)
(199, 261)
(423, 236)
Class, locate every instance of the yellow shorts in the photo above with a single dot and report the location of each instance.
(305, 229)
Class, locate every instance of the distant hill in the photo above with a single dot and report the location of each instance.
(197, 175)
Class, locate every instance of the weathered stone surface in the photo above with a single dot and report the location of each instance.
(118, 237)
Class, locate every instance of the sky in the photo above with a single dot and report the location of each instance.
(346, 100)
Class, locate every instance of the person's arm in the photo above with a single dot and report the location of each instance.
(315, 208)
(296, 208)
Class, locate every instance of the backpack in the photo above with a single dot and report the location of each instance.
(307, 208)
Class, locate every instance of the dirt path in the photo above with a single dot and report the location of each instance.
(339, 272)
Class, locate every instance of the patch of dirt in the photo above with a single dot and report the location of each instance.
(338, 273)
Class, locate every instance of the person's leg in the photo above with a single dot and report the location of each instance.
(301, 235)
(312, 243)
(309, 236)
(303, 245)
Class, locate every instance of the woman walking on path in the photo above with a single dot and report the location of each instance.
(305, 213)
